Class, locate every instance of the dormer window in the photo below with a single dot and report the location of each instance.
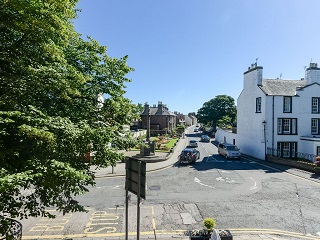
(287, 104)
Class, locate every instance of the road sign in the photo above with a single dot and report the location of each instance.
(136, 177)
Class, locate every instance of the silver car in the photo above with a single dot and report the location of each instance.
(229, 150)
(193, 143)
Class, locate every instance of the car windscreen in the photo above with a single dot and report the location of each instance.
(185, 152)
(232, 148)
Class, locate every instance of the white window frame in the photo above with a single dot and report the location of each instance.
(287, 104)
(315, 108)
(287, 149)
(315, 126)
(287, 126)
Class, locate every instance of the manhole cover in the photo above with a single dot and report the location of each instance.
(155, 187)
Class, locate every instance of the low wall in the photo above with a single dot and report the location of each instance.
(139, 133)
(288, 162)
(225, 136)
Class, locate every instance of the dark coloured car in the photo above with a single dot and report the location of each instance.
(205, 138)
(189, 155)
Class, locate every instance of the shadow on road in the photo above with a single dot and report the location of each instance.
(218, 162)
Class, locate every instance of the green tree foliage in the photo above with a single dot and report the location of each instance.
(224, 122)
(220, 109)
(140, 107)
(50, 115)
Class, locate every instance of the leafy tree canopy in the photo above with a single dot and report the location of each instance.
(140, 107)
(50, 115)
(219, 110)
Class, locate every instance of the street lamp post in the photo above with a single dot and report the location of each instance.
(265, 138)
(148, 126)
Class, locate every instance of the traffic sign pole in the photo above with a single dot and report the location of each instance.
(138, 203)
(135, 183)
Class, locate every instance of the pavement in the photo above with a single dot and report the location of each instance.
(162, 160)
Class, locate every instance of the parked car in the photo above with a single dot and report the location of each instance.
(204, 138)
(193, 143)
(196, 130)
(189, 155)
(229, 150)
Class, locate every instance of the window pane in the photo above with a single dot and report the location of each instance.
(279, 149)
(258, 104)
(315, 105)
(286, 149)
(314, 126)
(280, 125)
(294, 126)
(286, 104)
(293, 149)
(286, 125)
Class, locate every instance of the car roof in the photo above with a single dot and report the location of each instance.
(228, 144)
(188, 149)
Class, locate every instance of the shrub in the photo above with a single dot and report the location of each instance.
(209, 223)
(317, 170)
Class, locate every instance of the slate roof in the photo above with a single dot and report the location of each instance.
(154, 110)
(280, 87)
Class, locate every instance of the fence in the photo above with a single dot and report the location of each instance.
(290, 154)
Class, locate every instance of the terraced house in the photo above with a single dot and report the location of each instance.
(278, 117)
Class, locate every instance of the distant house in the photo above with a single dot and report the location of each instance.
(162, 121)
(193, 117)
(180, 118)
(188, 120)
(278, 117)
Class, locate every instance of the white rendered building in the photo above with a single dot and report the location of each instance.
(279, 117)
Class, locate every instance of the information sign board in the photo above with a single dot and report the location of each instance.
(136, 177)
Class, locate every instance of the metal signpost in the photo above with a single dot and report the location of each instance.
(135, 183)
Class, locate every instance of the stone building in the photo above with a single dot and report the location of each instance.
(162, 121)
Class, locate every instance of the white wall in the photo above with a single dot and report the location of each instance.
(301, 109)
(249, 123)
(250, 137)
(226, 136)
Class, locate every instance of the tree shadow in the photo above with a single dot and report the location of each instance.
(245, 163)
(220, 163)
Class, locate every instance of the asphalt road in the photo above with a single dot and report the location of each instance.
(237, 193)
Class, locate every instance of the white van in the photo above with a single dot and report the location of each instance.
(229, 150)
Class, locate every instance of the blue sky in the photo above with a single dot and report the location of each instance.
(186, 52)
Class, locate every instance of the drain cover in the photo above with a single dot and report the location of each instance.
(155, 187)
